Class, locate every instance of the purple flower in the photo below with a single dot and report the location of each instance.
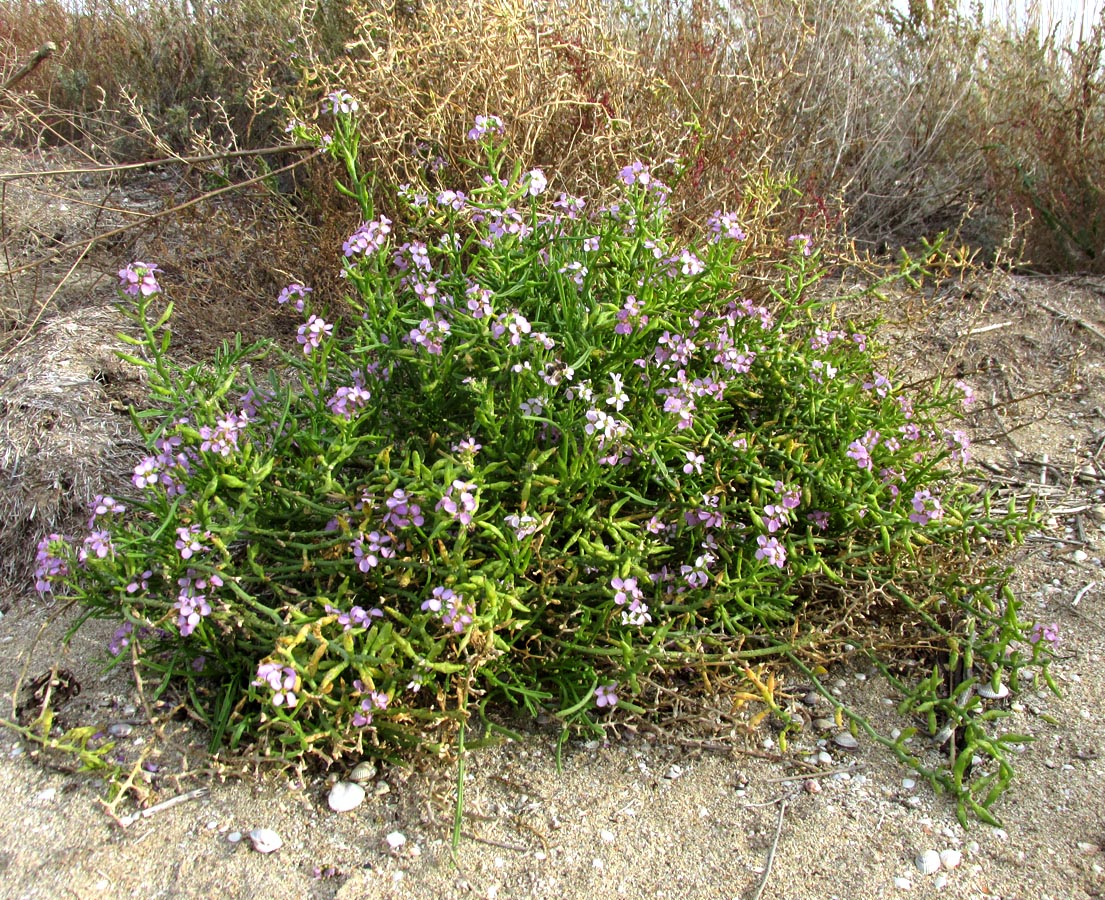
(819, 519)
(430, 335)
(97, 544)
(141, 583)
(121, 639)
(535, 182)
(188, 541)
(192, 604)
(926, 508)
(968, 393)
(803, 241)
(694, 463)
(860, 450)
(724, 225)
(369, 549)
(367, 239)
(342, 103)
(771, 551)
(880, 384)
(459, 502)
(1048, 633)
(47, 566)
(775, 517)
(312, 332)
(630, 315)
(522, 526)
(629, 596)
(223, 438)
(689, 264)
(959, 444)
(605, 695)
(485, 125)
(376, 700)
(635, 173)
(296, 293)
(467, 447)
(105, 506)
(139, 278)
(357, 617)
(348, 400)
(283, 680)
(454, 200)
(401, 513)
(450, 605)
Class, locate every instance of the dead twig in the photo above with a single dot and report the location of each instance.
(42, 53)
(1089, 326)
(770, 853)
(127, 821)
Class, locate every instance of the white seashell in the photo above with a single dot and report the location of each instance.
(987, 691)
(928, 862)
(940, 881)
(951, 858)
(363, 771)
(845, 740)
(396, 839)
(345, 795)
(265, 840)
(903, 884)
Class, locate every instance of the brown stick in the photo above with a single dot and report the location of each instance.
(44, 52)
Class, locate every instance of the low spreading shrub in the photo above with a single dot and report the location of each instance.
(539, 453)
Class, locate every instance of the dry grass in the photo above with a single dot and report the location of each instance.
(844, 119)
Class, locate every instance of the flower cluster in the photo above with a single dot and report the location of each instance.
(369, 549)
(460, 502)
(454, 612)
(282, 680)
(369, 238)
(139, 278)
(627, 595)
(192, 603)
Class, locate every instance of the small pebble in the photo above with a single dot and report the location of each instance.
(396, 839)
(903, 884)
(940, 881)
(607, 836)
(345, 795)
(234, 837)
(120, 729)
(909, 783)
(265, 840)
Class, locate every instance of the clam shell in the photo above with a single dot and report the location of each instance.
(987, 691)
(845, 740)
(265, 840)
(951, 858)
(345, 795)
(928, 862)
(363, 771)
